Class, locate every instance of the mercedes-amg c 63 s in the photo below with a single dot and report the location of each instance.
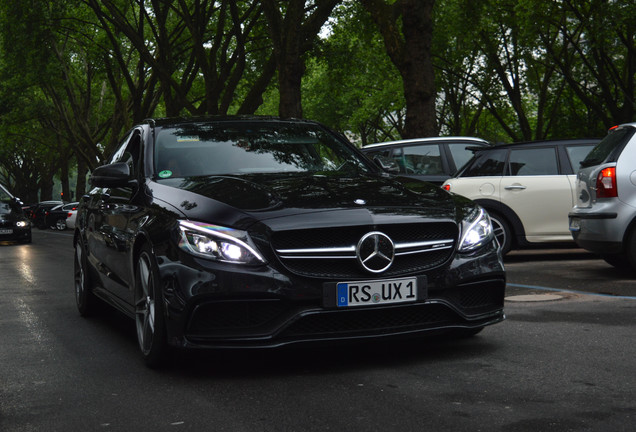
(252, 232)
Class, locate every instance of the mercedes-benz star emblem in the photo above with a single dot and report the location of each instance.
(375, 252)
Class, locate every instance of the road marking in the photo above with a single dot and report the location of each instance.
(570, 291)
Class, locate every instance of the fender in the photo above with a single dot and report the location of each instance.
(518, 232)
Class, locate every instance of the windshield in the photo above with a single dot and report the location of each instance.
(6, 202)
(236, 148)
(609, 148)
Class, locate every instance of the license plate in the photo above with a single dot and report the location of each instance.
(6, 231)
(575, 224)
(364, 293)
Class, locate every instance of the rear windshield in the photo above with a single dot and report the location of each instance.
(609, 148)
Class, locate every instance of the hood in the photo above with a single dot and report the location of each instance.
(262, 197)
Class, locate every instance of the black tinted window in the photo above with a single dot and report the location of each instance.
(249, 148)
(609, 148)
(487, 163)
(533, 162)
(577, 154)
(461, 153)
(420, 159)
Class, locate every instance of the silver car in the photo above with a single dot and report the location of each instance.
(604, 218)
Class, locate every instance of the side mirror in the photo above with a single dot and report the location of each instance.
(387, 164)
(112, 176)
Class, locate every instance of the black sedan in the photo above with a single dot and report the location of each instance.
(39, 211)
(256, 232)
(14, 225)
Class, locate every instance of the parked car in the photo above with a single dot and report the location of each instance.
(604, 218)
(14, 226)
(260, 232)
(39, 212)
(430, 159)
(527, 188)
(56, 217)
(72, 217)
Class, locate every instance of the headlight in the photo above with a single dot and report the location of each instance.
(22, 224)
(218, 243)
(476, 232)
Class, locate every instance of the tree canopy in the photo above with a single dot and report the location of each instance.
(75, 75)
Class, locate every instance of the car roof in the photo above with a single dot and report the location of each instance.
(542, 143)
(471, 140)
(170, 121)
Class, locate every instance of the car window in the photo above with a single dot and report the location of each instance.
(577, 154)
(533, 161)
(129, 152)
(203, 150)
(382, 153)
(419, 159)
(460, 153)
(5, 202)
(610, 147)
(487, 163)
(4, 196)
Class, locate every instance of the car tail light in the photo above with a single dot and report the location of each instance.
(446, 187)
(606, 183)
(69, 214)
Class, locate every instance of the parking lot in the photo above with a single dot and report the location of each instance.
(562, 361)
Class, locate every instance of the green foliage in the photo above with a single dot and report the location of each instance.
(350, 83)
(75, 74)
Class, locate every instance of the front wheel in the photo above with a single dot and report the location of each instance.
(630, 250)
(502, 232)
(149, 317)
(60, 224)
(84, 297)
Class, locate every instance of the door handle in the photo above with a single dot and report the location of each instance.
(515, 187)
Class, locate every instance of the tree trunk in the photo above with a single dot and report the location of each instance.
(292, 34)
(80, 186)
(410, 51)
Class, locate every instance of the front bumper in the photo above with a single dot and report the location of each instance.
(13, 233)
(209, 305)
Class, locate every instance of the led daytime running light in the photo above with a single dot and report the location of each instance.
(230, 248)
(478, 233)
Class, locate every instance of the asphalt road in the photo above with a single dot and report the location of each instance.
(561, 365)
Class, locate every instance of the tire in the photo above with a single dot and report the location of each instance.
(502, 231)
(84, 297)
(60, 224)
(617, 260)
(630, 250)
(149, 315)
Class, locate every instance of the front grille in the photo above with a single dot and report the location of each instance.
(223, 316)
(475, 297)
(371, 321)
(330, 252)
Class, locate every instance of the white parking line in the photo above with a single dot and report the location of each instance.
(570, 291)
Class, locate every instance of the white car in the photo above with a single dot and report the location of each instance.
(527, 188)
(72, 215)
